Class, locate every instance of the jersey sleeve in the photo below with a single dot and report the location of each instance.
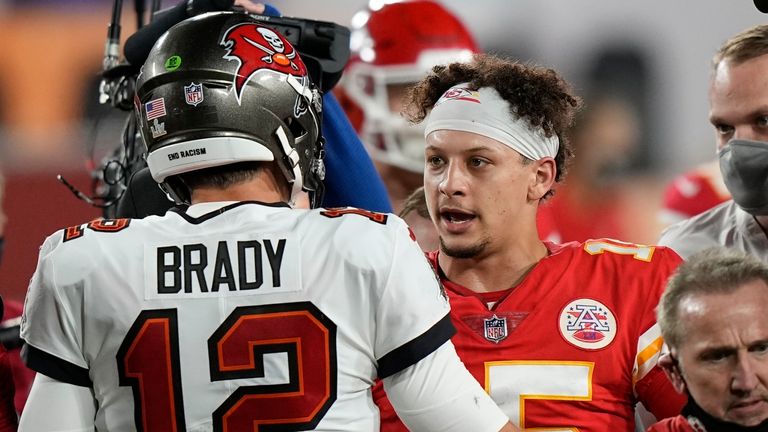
(58, 406)
(390, 422)
(412, 315)
(439, 394)
(652, 387)
(51, 324)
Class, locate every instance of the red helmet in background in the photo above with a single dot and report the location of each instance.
(395, 44)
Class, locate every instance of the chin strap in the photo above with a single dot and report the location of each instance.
(293, 156)
(701, 421)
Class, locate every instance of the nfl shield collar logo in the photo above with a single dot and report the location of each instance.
(495, 329)
(193, 93)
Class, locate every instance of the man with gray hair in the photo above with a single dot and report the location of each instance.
(712, 316)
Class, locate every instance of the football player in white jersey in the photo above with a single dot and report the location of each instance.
(241, 313)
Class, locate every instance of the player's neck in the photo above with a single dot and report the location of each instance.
(257, 189)
(494, 271)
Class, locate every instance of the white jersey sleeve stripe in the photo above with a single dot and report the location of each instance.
(418, 348)
(648, 349)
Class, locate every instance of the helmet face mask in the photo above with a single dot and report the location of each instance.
(222, 88)
(394, 46)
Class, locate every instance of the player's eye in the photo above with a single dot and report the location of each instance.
(762, 121)
(723, 129)
(434, 161)
(477, 162)
(715, 356)
(760, 348)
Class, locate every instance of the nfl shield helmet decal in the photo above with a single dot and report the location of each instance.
(193, 93)
(587, 324)
(495, 329)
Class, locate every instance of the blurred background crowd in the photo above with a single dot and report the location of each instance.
(641, 67)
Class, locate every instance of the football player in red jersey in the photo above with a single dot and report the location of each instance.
(562, 336)
(712, 316)
(394, 45)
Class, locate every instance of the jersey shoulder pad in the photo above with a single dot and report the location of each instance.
(361, 235)
(620, 251)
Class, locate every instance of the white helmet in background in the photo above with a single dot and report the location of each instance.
(394, 45)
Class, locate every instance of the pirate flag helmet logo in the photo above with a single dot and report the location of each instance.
(258, 48)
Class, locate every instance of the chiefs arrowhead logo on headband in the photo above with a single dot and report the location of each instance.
(257, 48)
(459, 93)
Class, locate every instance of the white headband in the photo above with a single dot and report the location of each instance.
(485, 113)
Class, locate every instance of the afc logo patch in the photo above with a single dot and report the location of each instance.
(495, 329)
(587, 324)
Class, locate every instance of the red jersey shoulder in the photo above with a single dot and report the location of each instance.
(608, 261)
(619, 253)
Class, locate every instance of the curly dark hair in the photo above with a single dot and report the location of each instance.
(538, 95)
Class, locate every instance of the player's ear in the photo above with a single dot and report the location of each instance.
(671, 367)
(543, 173)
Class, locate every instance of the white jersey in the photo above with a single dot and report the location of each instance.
(725, 225)
(245, 317)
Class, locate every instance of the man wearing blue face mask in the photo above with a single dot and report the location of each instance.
(738, 98)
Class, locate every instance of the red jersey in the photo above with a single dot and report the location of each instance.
(693, 192)
(674, 424)
(575, 345)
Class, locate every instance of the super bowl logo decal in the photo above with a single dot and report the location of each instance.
(495, 329)
(459, 93)
(155, 109)
(587, 324)
(193, 94)
(257, 48)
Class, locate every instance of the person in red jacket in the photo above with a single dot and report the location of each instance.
(712, 316)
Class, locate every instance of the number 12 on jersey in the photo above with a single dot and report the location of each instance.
(148, 362)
